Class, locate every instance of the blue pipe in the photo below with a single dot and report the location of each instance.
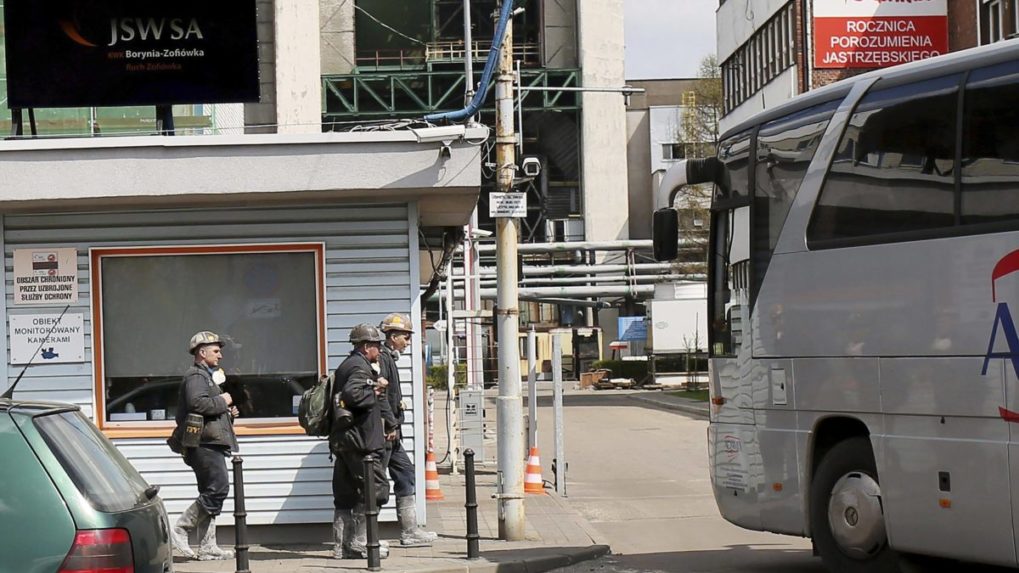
(486, 76)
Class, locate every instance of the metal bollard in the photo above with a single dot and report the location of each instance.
(240, 518)
(473, 551)
(371, 514)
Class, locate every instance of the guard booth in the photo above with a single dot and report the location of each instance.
(117, 250)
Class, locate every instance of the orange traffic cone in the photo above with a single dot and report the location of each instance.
(432, 490)
(532, 479)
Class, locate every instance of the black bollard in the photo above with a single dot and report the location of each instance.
(371, 514)
(240, 518)
(473, 539)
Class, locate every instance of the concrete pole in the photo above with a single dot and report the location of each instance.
(532, 390)
(510, 406)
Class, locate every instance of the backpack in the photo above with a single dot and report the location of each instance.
(313, 410)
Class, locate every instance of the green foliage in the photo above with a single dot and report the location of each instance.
(636, 369)
(436, 377)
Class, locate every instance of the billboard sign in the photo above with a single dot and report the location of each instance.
(878, 33)
(76, 53)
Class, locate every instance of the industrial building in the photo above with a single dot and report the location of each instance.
(772, 50)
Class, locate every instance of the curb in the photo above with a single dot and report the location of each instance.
(596, 538)
(687, 408)
(528, 565)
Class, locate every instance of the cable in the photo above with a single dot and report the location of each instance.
(387, 26)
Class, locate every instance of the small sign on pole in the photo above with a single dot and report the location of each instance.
(507, 205)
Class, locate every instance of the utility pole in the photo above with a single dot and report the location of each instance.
(510, 409)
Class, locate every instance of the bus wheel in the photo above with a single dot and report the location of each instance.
(846, 516)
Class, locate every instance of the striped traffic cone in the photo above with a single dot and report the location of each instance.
(432, 490)
(532, 479)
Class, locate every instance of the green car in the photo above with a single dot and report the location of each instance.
(69, 501)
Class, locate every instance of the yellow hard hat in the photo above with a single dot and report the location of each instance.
(202, 338)
(396, 321)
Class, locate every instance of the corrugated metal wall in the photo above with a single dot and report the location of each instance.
(369, 272)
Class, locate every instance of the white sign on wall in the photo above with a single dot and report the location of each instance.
(45, 276)
(57, 339)
(507, 205)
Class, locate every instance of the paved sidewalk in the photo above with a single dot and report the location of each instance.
(557, 536)
(669, 402)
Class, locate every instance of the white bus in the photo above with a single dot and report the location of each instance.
(863, 297)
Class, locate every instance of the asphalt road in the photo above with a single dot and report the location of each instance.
(640, 475)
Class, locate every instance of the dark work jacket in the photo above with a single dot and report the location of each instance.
(355, 383)
(200, 395)
(394, 395)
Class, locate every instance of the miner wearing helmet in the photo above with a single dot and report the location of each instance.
(360, 390)
(205, 410)
(398, 330)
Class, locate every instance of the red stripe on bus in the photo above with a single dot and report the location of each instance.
(1008, 264)
(1008, 415)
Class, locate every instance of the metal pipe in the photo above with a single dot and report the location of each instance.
(571, 291)
(557, 410)
(371, 515)
(532, 390)
(587, 269)
(625, 90)
(598, 280)
(509, 422)
(468, 57)
(567, 301)
(572, 246)
(240, 518)
(471, 505)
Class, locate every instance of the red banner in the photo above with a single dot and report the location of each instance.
(878, 42)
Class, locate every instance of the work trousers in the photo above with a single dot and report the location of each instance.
(348, 479)
(400, 469)
(209, 465)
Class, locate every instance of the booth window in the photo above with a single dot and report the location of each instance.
(264, 301)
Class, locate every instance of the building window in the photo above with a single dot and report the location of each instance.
(265, 301)
(991, 19)
(764, 56)
(677, 151)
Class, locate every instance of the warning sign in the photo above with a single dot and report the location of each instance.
(507, 205)
(49, 338)
(45, 276)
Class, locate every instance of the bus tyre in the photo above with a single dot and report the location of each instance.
(846, 515)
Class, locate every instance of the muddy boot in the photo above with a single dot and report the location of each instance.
(410, 534)
(180, 530)
(343, 532)
(359, 544)
(209, 549)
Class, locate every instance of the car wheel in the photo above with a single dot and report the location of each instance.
(846, 512)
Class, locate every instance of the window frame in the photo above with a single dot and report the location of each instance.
(150, 429)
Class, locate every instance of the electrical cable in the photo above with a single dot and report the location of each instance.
(387, 26)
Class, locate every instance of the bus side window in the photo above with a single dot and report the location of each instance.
(990, 145)
(894, 168)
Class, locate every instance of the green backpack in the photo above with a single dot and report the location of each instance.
(313, 411)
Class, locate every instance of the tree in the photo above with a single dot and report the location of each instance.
(701, 121)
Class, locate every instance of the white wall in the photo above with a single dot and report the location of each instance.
(737, 20)
(604, 120)
(780, 89)
(298, 67)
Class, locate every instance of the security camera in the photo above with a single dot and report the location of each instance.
(480, 234)
(531, 166)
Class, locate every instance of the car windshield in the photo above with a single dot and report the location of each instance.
(107, 480)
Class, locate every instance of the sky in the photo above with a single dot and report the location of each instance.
(667, 38)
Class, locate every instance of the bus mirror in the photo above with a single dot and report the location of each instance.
(665, 234)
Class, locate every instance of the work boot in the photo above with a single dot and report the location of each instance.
(343, 532)
(358, 548)
(410, 534)
(209, 550)
(180, 530)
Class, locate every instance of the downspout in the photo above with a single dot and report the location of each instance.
(486, 76)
